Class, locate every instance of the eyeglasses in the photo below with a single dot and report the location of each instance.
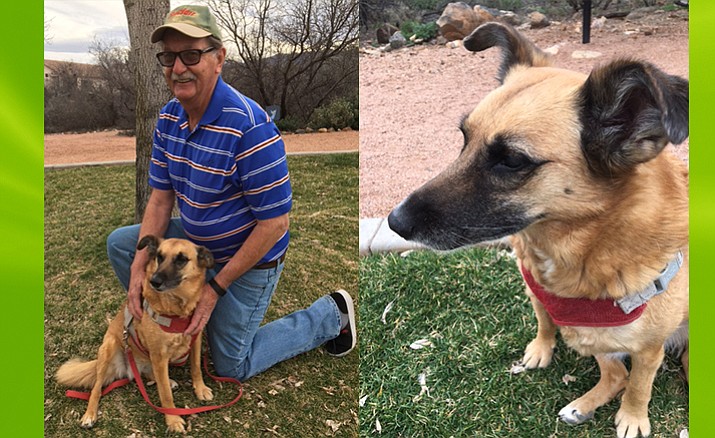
(188, 57)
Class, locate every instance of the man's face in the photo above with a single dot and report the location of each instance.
(193, 83)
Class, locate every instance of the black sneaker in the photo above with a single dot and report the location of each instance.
(346, 340)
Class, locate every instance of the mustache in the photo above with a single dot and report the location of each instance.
(183, 77)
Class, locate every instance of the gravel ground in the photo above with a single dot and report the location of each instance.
(412, 99)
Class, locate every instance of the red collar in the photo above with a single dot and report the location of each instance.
(581, 312)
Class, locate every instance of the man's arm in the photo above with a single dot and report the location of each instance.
(155, 221)
(265, 234)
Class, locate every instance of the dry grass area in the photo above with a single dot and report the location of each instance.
(105, 146)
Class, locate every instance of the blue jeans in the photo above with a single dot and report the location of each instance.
(240, 347)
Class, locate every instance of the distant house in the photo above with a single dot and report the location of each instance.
(82, 72)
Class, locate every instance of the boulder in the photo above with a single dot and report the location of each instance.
(397, 40)
(509, 17)
(537, 20)
(384, 33)
(484, 15)
(457, 21)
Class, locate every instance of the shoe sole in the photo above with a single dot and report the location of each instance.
(351, 317)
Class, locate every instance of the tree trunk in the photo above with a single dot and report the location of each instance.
(143, 16)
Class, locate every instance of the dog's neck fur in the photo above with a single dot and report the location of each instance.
(618, 253)
(171, 304)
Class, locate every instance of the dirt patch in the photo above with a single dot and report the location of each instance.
(106, 146)
(412, 100)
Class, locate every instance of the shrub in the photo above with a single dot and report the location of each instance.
(289, 124)
(423, 31)
(338, 114)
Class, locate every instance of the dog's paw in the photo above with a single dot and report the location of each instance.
(203, 392)
(175, 424)
(629, 425)
(571, 414)
(88, 420)
(538, 354)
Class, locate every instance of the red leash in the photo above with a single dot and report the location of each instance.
(142, 390)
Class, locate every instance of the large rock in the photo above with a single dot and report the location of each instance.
(457, 21)
(537, 20)
(384, 33)
(509, 17)
(397, 40)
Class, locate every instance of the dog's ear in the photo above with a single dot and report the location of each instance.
(630, 110)
(516, 49)
(204, 257)
(152, 242)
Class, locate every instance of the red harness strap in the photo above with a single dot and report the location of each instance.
(168, 323)
(581, 312)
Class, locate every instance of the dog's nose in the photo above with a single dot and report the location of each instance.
(157, 280)
(400, 224)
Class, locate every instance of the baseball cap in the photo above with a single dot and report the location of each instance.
(191, 20)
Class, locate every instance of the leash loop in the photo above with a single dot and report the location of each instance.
(140, 384)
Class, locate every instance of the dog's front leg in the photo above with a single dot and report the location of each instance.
(613, 379)
(632, 417)
(160, 365)
(540, 350)
(106, 354)
(202, 391)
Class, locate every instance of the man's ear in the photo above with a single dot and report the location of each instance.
(221, 55)
(629, 112)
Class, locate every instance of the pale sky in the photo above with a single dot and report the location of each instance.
(75, 24)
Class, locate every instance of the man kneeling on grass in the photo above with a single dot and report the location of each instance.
(220, 155)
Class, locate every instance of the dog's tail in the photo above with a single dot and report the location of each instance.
(77, 373)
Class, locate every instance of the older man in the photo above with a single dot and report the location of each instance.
(218, 154)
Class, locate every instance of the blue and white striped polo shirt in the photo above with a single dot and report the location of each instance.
(228, 173)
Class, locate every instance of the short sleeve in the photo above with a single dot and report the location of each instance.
(262, 171)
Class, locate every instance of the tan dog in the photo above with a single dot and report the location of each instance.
(175, 275)
(573, 168)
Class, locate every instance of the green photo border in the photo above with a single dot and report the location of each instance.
(21, 120)
(702, 217)
(21, 248)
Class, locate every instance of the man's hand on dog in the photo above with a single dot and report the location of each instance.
(203, 310)
(134, 296)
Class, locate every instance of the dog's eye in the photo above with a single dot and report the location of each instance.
(512, 163)
(180, 261)
(160, 258)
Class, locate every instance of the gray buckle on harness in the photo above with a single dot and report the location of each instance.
(657, 287)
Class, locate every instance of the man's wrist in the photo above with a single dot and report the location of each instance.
(220, 291)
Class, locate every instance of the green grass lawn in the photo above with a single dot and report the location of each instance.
(471, 306)
(311, 395)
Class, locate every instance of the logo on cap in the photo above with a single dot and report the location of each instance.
(186, 12)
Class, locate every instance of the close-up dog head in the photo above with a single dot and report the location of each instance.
(547, 145)
(173, 262)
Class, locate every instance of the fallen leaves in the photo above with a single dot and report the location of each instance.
(420, 344)
(568, 378)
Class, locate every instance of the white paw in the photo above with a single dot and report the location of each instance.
(571, 415)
